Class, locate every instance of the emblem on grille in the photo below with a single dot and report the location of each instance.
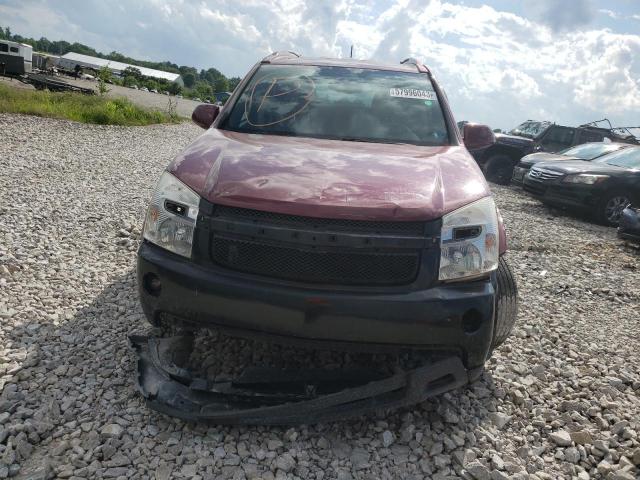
(535, 174)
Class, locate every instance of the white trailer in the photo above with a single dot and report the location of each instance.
(15, 58)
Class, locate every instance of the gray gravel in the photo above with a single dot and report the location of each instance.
(559, 400)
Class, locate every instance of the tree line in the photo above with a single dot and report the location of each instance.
(203, 83)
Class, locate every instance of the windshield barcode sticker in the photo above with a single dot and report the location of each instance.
(413, 93)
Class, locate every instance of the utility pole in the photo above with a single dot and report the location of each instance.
(351, 54)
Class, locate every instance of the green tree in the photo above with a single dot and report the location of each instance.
(203, 89)
(174, 88)
(233, 83)
(221, 85)
(189, 79)
(104, 76)
(83, 49)
(132, 72)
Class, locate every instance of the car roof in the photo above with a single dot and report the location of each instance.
(290, 58)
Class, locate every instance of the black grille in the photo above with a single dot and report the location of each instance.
(544, 175)
(402, 228)
(313, 266)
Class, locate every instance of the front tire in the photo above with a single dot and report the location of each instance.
(499, 169)
(611, 206)
(506, 309)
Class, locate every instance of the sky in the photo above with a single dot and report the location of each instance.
(500, 62)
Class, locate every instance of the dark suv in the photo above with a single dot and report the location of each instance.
(330, 203)
(497, 161)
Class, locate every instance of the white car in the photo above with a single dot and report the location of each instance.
(144, 89)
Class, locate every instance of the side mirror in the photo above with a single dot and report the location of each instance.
(478, 136)
(205, 114)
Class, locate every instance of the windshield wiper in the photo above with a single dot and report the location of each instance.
(369, 140)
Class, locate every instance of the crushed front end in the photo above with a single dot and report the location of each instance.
(276, 395)
(368, 287)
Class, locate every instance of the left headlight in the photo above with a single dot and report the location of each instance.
(171, 217)
(585, 178)
(469, 241)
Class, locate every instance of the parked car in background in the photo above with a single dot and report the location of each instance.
(330, 202)
(629, 226)
(603, 187)
(586, 151)
(135, 87)
(498, 161)
(144, 89)
(153, 90)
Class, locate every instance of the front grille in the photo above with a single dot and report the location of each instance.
(544, 175)
(403, 228)
(318, 250)
(307, 265)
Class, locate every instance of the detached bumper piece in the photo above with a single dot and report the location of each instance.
(270, 396)
(629, 227)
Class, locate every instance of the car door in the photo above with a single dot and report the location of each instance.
(557, 138)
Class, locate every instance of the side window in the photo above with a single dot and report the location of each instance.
(586, 136)
(4, 47)
(14, 49)
(557, 138)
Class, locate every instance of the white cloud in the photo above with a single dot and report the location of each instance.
(497, 67)
(609, 13)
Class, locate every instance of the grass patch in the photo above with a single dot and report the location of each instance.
(79, 107)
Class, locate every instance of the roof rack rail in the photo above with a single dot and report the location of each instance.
(419, 65)
(280, 54)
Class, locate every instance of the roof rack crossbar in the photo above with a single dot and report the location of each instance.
(412, 61)
(280, 53)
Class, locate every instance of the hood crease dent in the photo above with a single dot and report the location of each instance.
(329, 178)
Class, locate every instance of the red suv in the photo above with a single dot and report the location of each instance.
(330, 203)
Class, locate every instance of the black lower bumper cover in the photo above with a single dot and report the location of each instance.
(266, 396)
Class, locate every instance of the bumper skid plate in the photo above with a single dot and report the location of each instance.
(270, 396)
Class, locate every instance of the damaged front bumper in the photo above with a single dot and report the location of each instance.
(270, 396)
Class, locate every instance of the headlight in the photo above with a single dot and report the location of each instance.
(469, 241)
(585, 178)
(172, 214)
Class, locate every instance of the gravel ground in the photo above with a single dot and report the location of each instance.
(559, 400)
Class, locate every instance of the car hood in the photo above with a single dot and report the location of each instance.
(534, 158)
(581, 166)
(513, 140)
(329, 178)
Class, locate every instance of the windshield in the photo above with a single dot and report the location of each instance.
(530, 129)
(627, 158)
(340, 103)
(589, 151)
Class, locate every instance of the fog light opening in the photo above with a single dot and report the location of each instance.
(152, 284)
(471, 321)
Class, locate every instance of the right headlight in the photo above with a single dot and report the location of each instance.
(171, 217)
(585, 178)
(469, 241)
